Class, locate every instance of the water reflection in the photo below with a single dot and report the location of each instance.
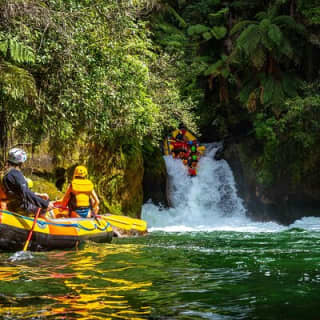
(220, 275)
(84, 284)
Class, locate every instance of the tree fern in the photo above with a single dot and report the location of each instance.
(258, 58)
(262, 15)
(217, 17)
(219, 32)
(17, 83)
(214, 68)
(288, 22)
(240, 26)
(181, 21)
(275, 34)
(268, 85)
(16, 50)
(4, 47)
(249, 39)
(286, 49)
(207, 35)
(197, 29)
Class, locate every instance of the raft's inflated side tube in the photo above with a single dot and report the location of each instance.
(187, 134)
(167, 147)
(201, 149)
(50, 234)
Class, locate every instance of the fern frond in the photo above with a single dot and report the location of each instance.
(19, 52)
(207, 35)
(240, 26)
(286, 49)
(197, 29)
(219, 32)
(261, 15)
(181, 21)
(264, 25)
(268, 85)
(214, 68)
(284, 20)
(217, 17)
(249, 39)
(17, 83)
(275, 34)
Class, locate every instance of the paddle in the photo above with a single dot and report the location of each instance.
(31, 230)
(125, 223)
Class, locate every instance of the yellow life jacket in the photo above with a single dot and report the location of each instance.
(82, 189)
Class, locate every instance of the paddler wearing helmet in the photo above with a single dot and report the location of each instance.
(80, 196)
(19, 195)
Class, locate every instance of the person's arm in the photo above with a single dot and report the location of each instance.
(96, 200)
(66, 197)
(20, 187)
(33, 198)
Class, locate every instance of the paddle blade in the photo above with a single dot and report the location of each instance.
(26, 245)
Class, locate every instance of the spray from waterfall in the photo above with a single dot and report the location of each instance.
(207, 202)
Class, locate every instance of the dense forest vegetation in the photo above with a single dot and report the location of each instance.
(257, 65)
(70, 67)
(124, 72)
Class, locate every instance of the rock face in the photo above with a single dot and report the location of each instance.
(117, 173)
(118, 178)
(155, 177)
(282, 202)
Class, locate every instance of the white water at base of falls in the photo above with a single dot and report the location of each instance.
(208, 201)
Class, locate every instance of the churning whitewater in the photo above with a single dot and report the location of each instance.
(207, 202)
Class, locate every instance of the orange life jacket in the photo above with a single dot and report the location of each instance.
(82, 189)
(3, 198)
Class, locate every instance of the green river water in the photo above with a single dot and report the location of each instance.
(186, 275)
(202, 259)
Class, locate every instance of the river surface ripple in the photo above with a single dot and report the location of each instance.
(186, 275)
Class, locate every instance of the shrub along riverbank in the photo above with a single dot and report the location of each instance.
(91, 81)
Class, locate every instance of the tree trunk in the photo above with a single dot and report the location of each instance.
(292, 8)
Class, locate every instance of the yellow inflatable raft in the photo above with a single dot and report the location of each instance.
(50, 233)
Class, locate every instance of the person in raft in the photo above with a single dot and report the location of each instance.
(19, 196)
(80, 197)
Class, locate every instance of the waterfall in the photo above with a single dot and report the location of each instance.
(206, 202)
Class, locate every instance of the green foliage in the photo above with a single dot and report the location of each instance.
(197, 29)
(291, 139)
(123, 71)
(240, 26)
(96, 69)
(12, 48)
(256, 54)
(219, 32)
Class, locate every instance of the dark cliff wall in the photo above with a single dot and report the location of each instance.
(283, 201)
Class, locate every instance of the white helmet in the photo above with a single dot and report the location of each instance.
(17, 156)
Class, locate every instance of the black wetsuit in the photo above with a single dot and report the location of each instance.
(17, 190)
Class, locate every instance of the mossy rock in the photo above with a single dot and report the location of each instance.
(118, 175)
(40, 185)
(155, 175)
